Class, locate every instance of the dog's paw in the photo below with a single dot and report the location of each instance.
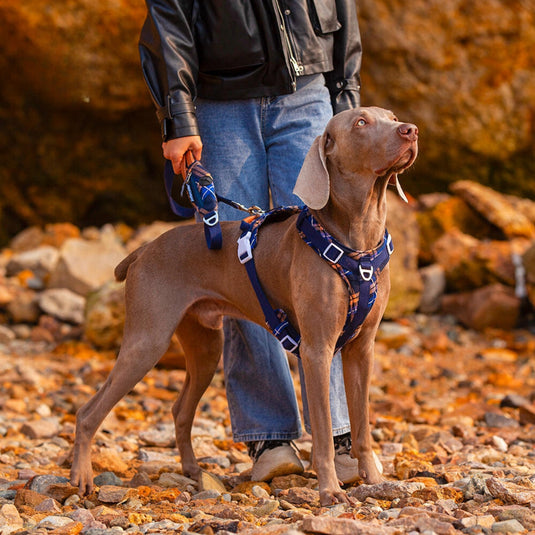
(330, 497)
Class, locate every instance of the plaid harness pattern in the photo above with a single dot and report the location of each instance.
(358, 269)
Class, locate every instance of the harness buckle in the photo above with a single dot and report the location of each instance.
(337, 249)
(389, 245)
(211, 219)
(245, 252)
(366, 272)
(289, 344)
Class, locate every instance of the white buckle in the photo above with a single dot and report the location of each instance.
(245, 253)
(366, 273)
(338, 249)
(292, 341)
(212, 220)
(389, 245)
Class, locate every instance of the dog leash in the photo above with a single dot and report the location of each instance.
(199, 186)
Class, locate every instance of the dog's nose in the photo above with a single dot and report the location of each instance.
(409, 131)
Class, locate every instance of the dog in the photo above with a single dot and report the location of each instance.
(175, 284)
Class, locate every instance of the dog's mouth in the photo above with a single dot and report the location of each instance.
(404, 161)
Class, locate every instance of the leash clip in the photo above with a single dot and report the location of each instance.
(211, 220)
(245, 253)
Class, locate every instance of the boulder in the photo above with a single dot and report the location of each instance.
(86, 265)
(405, 280)
(493, 306)
(495, 208)
(63, 304)
(104, 316)
(470, 263)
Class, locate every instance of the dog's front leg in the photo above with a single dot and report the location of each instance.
(316, 368)
(358, 363)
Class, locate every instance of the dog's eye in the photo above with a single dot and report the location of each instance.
(361, 122)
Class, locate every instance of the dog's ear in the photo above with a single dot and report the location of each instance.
(312, 185)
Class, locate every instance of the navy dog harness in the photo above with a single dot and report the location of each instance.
(358, 269)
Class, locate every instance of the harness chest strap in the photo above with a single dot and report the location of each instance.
(359, 270)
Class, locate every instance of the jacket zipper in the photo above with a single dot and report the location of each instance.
(295, 68)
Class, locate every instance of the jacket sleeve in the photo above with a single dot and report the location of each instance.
(344, 80)
(170, 65)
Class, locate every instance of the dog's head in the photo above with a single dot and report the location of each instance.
(366, 142)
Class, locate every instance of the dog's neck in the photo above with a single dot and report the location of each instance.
(356, 218)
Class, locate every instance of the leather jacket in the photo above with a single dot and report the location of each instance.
(231, 49)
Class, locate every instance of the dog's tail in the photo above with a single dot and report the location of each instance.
(121, 269)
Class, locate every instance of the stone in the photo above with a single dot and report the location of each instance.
(387, 490)
(343, 526)
(109, 460)
(300, 496)
(264, 508)
(104, 316)
(508, 526)
(172, 480)
(86, 519)
(107, 478)
(434, 286)
(112, 494)
(495, 419)
(48, 505)
(44, 428)
(23, 308)
(6, 335)
(63, 304)
(10, 520)
(470, 263)
(496, 208)
(42, 484)
(40, 261)
(84, 266)
(494, 306)
(405, 281)
(510, 492)
(208, 481)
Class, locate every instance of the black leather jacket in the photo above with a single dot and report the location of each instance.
(229, 49)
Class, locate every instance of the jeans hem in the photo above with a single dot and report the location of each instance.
(255, 437)
(336, 432)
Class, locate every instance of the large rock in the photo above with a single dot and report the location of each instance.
(86, 265)
(80, 141)
(495, 208)
(405, 280)
(494, 306)
(471, 263)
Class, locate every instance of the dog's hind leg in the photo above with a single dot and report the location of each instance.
(202, 347)
(139, 352)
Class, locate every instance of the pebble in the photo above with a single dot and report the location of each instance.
(107, 478)
(508, 526)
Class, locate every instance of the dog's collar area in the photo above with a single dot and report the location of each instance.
(358, 269)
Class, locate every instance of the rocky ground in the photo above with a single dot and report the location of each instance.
(453, 423)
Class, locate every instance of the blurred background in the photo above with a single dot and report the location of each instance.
(79, 140)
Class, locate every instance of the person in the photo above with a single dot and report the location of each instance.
(249, 85)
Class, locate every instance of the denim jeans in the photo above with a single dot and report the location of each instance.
(254, 148)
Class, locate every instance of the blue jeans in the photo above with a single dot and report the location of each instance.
(254, 148)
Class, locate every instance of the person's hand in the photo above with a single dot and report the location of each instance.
(177, 150)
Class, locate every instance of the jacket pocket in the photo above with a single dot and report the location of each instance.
(323, 16)
(227, 36)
